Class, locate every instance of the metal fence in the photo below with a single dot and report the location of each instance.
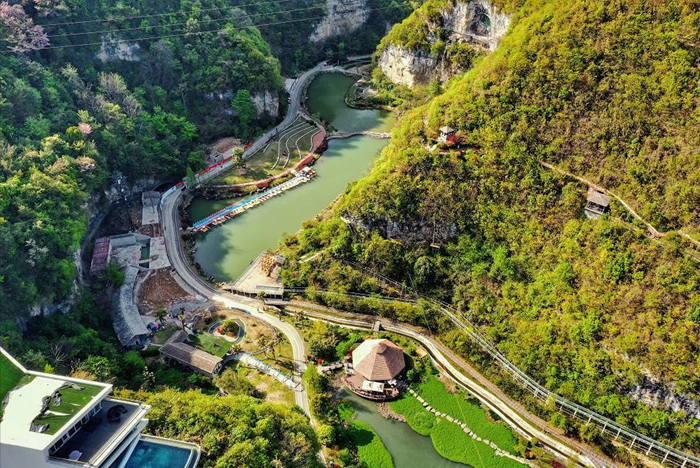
(608, 428)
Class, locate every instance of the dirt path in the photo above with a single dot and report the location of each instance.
(652, 230)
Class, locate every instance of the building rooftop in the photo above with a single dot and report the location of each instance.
(598, 198)
(25, 393)
(100, 255)
(378, 359)
(94, 439)
(176, 349)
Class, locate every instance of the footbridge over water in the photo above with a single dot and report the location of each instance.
(369, 133)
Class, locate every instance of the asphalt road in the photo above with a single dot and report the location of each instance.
(198, 286)
(478, 385)
(295, 94)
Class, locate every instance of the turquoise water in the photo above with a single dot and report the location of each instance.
(326, 97)
(153, 455)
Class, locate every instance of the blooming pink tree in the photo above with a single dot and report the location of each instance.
(46, 8)
(19, 30)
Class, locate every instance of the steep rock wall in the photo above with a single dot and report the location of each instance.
(266, 103)
(473, 22)
(410, 68)
(114, 49)
(343, 17)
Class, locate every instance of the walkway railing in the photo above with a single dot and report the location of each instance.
(265, 368)
(242, 206)
(608, 428)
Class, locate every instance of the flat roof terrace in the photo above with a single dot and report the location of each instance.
(62, 400)
(101, 432)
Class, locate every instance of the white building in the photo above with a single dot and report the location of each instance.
(53, 421)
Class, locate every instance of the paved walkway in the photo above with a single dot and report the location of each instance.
(265, 368)
(460, 371)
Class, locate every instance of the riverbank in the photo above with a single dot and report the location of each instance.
(225, 252)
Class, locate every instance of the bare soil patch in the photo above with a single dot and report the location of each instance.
(160, 291)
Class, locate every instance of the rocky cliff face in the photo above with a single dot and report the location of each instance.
(471, 22)
(343, 17)
(413, 67)
(266, 103)
(113, 49)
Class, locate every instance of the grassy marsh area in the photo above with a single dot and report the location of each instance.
(448, 438)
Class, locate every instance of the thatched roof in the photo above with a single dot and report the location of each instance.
(378, 360)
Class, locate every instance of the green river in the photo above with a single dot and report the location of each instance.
(227, 250)
(408, 448)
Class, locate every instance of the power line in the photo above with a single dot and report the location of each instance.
(168, 25)
(196, 33)
(127, 18)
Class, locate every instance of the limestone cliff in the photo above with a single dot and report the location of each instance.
(266, 103)
(429, 46)
(343, 17)
(114, 49)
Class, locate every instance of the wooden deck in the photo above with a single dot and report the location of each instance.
(354, 383)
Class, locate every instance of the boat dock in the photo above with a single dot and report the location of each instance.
(302, 176)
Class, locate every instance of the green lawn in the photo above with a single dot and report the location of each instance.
(10, 376)
(370, 447)
(72, 402)
(259, 166)
(453, 443)
(164, 335)
(210, 343)
(468, 410)
(417, 417)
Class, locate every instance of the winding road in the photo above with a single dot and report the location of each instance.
(200, 287)
(465, 375)
(196, 285)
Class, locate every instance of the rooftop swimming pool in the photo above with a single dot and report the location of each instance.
(156, 454)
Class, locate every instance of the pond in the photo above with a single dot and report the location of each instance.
(408, 448)
(227, 250)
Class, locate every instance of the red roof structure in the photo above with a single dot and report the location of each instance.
(100, 255)
(306, 161)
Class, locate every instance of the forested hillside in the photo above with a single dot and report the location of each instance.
(592, 309)
(82, 99)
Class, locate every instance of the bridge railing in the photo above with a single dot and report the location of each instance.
(608, 428)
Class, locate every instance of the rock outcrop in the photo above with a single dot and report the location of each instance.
(343, 17)
(266, 103)
(474, 23)
(659, 396)
(413, 67)
(113, 49)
